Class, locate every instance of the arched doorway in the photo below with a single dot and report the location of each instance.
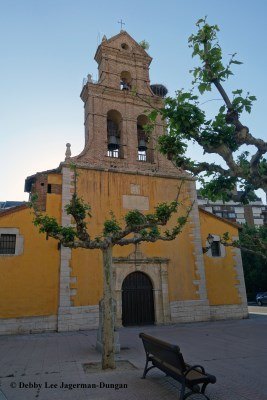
(137, 300)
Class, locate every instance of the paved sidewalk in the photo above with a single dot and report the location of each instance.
(34, 366)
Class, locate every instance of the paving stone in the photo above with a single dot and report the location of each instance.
(234, 351)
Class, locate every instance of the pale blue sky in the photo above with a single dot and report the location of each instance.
(48, 46)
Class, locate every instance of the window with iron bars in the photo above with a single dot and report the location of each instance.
(7, 244)
(113, 153)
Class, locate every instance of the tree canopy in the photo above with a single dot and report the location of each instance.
(252, 240)
(224, 135)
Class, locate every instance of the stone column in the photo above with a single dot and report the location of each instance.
(165, 294)
(196, 239)
(65, 256)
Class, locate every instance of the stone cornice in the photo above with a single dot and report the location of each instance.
(183, 176)
(147, 260)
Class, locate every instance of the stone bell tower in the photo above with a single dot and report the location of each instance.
(115, 110)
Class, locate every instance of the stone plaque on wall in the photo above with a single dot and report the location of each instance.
(135, 202)
(135, 189)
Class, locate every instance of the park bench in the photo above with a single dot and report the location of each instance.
(169, 359)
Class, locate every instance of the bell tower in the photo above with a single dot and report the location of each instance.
(115, 110)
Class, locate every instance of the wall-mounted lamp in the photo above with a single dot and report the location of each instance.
(210, 240)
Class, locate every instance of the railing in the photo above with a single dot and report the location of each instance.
(142, 156)
(88, 79)
(113, 153)
(145, 156)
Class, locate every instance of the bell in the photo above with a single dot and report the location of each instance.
(112, 143)
(142, 145)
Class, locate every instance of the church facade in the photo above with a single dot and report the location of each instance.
(47, 287)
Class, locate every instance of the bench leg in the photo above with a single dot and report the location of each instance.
(146, 371)
(203, 390)
(182, 391)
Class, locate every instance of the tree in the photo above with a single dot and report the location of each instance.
(255, 274)
(138, 227)
(224, 135)
(252, 241)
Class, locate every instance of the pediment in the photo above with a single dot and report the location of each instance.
(123, 43)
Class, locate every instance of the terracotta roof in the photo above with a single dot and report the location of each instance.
(234, 224)
(14, 209)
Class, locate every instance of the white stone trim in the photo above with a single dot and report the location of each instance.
(78, 318)
(65, 253)
(195, 235)
(9, 326)
(19, 241)
(190, 311)
(71, 318)
(240, 275)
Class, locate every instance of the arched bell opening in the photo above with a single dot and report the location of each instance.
(114, 125)
(125, 80)
(137, 300)
(144, 152)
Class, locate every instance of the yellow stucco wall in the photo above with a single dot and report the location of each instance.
(55, 178)
(30, 281)
(221, 277)
(104, 192)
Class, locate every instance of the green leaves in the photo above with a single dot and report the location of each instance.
(144, 44)
(50, 226)
(254, 238)
(164, 211)
(134, 218)
(111, 226)
(162, 214)
(223, 135)
(219, 187)
(153, 115)
(203, 87)
(241, 103)
(78, 208)
(205, 46)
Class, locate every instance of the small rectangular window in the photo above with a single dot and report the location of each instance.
(7, 244)
(231, 215)
(49, 188)
(215, 249)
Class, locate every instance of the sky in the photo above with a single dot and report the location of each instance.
(47, 47)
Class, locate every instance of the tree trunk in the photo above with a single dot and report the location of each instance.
(108, 354)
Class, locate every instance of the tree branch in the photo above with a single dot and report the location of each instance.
(222, 92)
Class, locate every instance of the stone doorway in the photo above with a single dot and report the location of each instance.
(156, 270)
(137, 300)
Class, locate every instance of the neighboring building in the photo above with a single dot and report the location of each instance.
(252, 213)
(49, 287)
(6, 205)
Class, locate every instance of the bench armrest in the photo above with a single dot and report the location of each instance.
(194, 368)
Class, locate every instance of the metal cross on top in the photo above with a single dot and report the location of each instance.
(122, 23)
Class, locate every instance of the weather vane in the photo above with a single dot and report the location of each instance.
(122, 23)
